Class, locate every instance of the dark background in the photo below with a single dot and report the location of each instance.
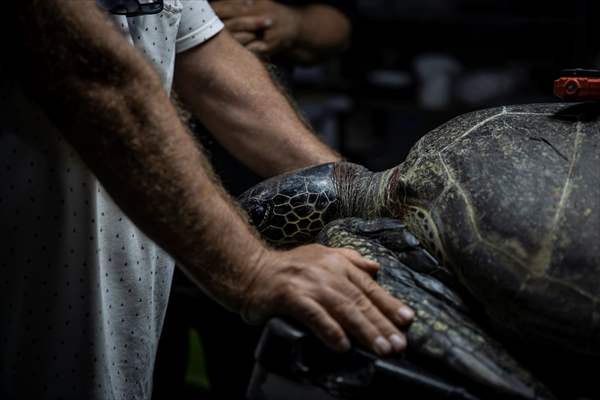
(413, 65)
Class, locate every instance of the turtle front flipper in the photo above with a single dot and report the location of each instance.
(443, 337)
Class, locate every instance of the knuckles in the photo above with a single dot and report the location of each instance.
(360, 304)
(286, 294)
(369, 286)
(334, 260)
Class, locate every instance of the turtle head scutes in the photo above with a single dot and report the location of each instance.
(292, 208)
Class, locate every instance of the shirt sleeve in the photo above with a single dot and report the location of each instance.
(198, 24)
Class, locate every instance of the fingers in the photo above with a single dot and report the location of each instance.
(369, 266)
(360, 317)
(323, 289)
(257, 46)
(318, 320)
(364, 308)
(344, 307)
(392, 308)
(248, 24)
(244, 38)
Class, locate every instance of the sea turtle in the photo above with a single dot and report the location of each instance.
(506, 199)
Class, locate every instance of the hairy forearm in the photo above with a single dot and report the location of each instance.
(233, 95)
(111, 107)
(323, 31)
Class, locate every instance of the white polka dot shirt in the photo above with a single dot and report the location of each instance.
(83, 292)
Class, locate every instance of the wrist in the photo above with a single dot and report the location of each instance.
(252, 309)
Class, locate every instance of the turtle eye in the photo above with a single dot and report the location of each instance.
(257, 212)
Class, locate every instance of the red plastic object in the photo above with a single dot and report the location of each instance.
(577, 88)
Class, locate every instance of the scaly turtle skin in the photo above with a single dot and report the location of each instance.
(508, 200)
(445, 332)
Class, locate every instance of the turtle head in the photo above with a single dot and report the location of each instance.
(292, 209)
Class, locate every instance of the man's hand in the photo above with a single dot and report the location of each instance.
(304, 34)
(331, 291)
(263, 26)
(244, 27)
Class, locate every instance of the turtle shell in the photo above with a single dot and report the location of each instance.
(510, 199)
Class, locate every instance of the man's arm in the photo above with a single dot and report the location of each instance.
(111, 107)
(232, 93)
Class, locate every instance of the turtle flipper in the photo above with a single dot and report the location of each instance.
(444, 335)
